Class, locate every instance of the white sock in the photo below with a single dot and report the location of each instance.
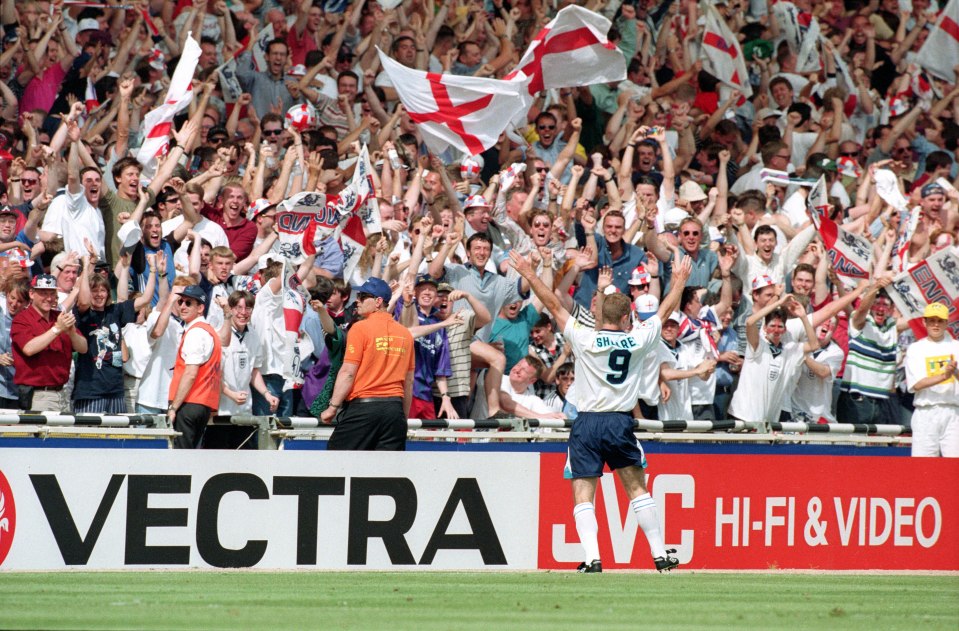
(587, 529)
(648, 517)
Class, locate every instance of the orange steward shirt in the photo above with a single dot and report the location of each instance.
(206, 388)
(383, 350)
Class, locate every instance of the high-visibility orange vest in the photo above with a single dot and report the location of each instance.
(206, 388)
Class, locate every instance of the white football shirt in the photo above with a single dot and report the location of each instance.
(609, 364)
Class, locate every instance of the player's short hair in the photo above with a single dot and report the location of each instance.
(615, 307)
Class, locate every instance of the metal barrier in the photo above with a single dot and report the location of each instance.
(272, 432)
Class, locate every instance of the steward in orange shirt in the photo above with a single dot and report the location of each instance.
(375, 385)
(197, 373)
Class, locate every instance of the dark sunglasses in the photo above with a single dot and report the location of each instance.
(691, 233)
(272, 132)
(546, 127)
(185, 302)
(29, 182)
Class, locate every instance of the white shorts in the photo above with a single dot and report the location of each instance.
(935, 431)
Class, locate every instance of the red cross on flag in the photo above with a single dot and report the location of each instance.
(724, 58)
(940, 52)
(469, 113)
(452, 111)
(159, 120)
(571, 50)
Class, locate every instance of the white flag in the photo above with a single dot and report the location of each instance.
(462, 112)
(940, 52)
(469, 113)
(724, 57)
(571, 50)
(159, 121)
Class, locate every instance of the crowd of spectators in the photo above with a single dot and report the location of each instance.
(603, 190)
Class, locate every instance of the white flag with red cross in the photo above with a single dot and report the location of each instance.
(462, 112)
(724, 57)
(940, 52)
(571, 50)
(469, 113)
(159, 121)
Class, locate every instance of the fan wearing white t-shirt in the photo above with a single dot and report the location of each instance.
(772, 361)
(932, 373)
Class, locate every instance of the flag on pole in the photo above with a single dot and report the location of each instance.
(90, 100)
(724, 58)
(940, 51)
(159, 121)
(818, 202)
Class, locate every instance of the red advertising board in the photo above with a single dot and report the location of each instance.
(739, 511)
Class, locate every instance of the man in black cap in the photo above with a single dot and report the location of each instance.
(197, 374)
(374, 388)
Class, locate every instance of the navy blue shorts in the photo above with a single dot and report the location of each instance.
(602, 438)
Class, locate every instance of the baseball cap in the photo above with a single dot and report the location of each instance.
(444, 288)
(424, 279)
(673, 218)
(344, 54)
(7, 210)
(266, 259)
(762, 281)
(43, 281)
(639, 276)
(610, 290)
(646, 306)
(936, 310)
(219, 130)
(375, 287)
(101, 265)
(768, 112)
(933, 188)
(848, 167)
(88, 24)
(299, 70)
(692, 192)
(194, 292)
(828, 165)
(258, 207)
(676, 317)
(475, 201)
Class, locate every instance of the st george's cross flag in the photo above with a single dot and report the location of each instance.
(724, 57)
(470, 113)
(462, 112)
(159, 121)
(940, 51)
(571, 50)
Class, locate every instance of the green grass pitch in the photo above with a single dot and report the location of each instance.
(460, 600)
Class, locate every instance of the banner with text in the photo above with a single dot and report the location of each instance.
(766, 512)
(87, 509)
(71, 509)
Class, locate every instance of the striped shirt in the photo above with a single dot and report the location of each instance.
(871, 362)
(459, 336)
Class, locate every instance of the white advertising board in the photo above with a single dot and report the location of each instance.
(129, 509)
